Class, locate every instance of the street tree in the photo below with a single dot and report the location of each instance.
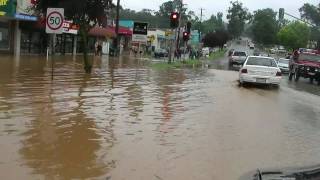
(311, 13)
(85, 13)
(264, 26)
(237, 16)
(216, 39)
(175, 6)
(215, 22)
(295, 35)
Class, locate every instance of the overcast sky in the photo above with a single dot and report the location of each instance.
(214, 6)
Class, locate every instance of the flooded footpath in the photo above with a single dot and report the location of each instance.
(128, 121)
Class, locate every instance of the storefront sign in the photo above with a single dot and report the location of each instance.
(25, 17)
(70, 28)
(140, 32)
(7, 8)
(24, 11)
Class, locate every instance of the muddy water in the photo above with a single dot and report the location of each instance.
(129, 121)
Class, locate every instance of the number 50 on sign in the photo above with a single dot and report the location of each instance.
(54, 20)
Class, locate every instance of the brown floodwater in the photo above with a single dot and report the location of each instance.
(127, 121)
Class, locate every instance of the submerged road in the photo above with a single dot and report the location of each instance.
(128, 121)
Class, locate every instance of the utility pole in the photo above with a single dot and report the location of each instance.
(117, 29)
(178, 30)
(200, 29)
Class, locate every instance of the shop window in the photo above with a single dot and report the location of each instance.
(4, 36)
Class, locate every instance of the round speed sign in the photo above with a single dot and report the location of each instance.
(54, 20)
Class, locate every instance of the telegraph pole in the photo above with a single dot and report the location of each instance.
(179, 26)
(117, 29)
(200, 30)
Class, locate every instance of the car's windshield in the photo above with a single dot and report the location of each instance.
(260, 61)
(238, 53)
(309, 57)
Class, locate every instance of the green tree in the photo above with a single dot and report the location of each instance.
(264, 27)
(216, 39)
(215, 22)
(311, 13)
(86, 13)
(295, 35)
(237, 16)
(175, 6)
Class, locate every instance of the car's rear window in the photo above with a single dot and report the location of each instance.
(258, 61)
(239, 53)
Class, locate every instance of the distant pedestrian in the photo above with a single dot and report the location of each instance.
(96, 48)
(99, 49)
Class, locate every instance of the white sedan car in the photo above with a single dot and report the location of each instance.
(260, 70)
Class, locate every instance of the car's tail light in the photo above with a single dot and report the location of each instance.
(279, 73)
(244, 71)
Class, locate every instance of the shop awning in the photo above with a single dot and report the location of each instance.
(109, 31)
(102, 32)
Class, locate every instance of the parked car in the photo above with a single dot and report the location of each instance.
(306, 65)
(159, 53)
(237, 57)
(283, 64)
(260, 70)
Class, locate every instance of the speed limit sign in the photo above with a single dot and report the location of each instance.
(54, 20)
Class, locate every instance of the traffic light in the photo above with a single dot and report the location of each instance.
(186, 36)
(174, 20)
(189, 27)
(281, 13)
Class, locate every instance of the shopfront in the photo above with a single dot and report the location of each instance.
(7, 10)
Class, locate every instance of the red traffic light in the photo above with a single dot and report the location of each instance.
(174, 15)
(174, 20)
(186, 36)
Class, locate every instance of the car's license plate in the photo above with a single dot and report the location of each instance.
(261, 80)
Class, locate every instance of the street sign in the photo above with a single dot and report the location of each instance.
(70, 28)
(54, 20)
(140, 32)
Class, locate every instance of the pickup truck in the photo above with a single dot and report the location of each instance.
(305, 65)
(238, 58)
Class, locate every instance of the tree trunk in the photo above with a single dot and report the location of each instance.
(86, 61)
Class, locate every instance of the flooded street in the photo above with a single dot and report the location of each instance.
(128, 121)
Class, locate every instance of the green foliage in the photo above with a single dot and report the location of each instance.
(215, 22)
(264, 27)
(218, 54)
(178, 64)
(216, 39)
(311, 13)
(295, 35)
(237, 16)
